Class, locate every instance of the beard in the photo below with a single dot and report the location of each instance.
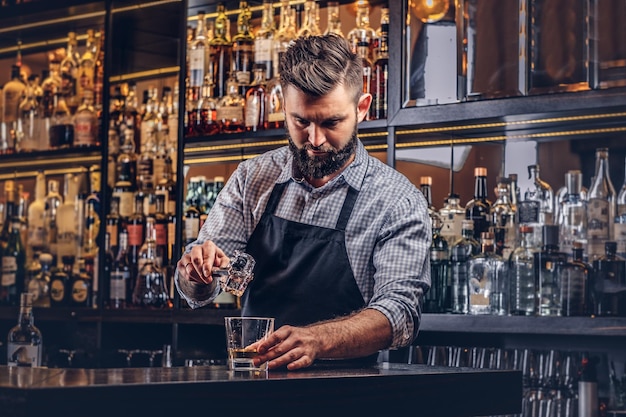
(321, 166)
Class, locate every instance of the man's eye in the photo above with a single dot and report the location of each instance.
(331, 123)
(302, 121)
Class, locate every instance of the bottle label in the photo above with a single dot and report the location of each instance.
(278, 116)
(112, 231)
(126, 202)
(84, 129)
(192, 228)
(452, 225)
(37, 235)
(230, 113)
(597, 226)
(9, 270)
(619, 232)
(57, 290)
(161, 234)
(263, 50)
(243, 77)
(118, 285)
(253, 110)
(135, 234)
(196, 60)
(80, 290)
(23, 354)
(528, 211)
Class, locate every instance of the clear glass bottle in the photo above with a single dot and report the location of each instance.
(576, 276)
(87, 66)
(36, 210)
(547, 265)
(380, 70)
(461, 251)
(220, 48)
(11, 97)
(503, 220)
(149, 121)
(13, 267)
(285, 34)
(28, 130)
(53, 201)
(192, 214)
(206, 113)
(230, 109)
(126, 183)
(119, 283)
(601, 207)
(243, 49)
(537, 208)
(67, 219)
(24, 342)
(334, 19)
(255, 116)
(10, 205)
(362, 32)
(572, 218)
(453, 216)
(478, 209)
(149, 290)
(264, 40)
(619, 227)
(610, 283)
(366, 64)
(198, 56)
(437, 299)
(522, 275)
(166, 186)
(487, 280)
(309, 24)
(39, 285)
(86, 122)
(69, 72)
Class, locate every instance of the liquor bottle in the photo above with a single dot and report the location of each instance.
(547, 265)
(91, 238)
(619, 227)
(572, 218)
(220, 53)
(60, 283)
(362, 32)
(50, 84)
(81, 287)
(503, 220)
(274, 102)
(11, 97)
(523, 300)
(380, 71)
(98, 83)
(255, 117)
(610, 282)
(230, 109)
(10, 209)
(478, 209)
(67, 219)
(515, 192)
(362, 52)
(86, 122)
(243, 49)
(28, 130)
(114, 224)
(453, 216)
(192, 214)
(52, 202)
(206, 111)
(285, 34)
(125, 185)
(160, 227)
(334, 19)
(39, 284)
(309, 26)
(437, 299)
(69, 72)
(537, 209)
(264, 40)
(149, 289)
(21, 213)
(167, 187)
(198, 56)
(13, 264)
(149, 121)
(145, 164)
(487, 280)
(576, 277)
(588, 402)
(131, 114)
(61, 130)
(87, 66)
(119, 281)
(601, 206)
(461, 251)
(24, 342)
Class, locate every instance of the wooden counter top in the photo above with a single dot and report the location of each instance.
(384, 389)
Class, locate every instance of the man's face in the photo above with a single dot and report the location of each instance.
(322, 131)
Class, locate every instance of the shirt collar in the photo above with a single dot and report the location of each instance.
(353, 174)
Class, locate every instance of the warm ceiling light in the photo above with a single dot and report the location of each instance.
(430, 11)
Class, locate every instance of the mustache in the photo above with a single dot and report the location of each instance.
(310, 147)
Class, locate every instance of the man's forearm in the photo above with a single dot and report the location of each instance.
(361, 334)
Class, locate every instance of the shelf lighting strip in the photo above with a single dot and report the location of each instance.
(145, 74)
(33, 174)
(32, 45)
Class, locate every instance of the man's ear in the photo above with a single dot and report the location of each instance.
(363, 106)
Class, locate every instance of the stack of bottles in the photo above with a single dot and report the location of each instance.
(60, 109)
(50, 245)
(545, 254)
(233, 84)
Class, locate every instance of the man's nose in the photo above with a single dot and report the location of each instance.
(316, 135)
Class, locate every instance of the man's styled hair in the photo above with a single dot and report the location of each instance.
(316, 65)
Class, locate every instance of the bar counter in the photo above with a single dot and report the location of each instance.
(383, 389)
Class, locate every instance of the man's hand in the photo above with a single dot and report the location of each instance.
(358, 335)
(196, 266)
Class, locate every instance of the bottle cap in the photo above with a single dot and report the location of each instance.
(480, 172)
(426, 180)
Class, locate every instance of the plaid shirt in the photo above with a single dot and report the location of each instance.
(388, 235)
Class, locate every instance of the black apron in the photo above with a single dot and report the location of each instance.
(302, 273)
